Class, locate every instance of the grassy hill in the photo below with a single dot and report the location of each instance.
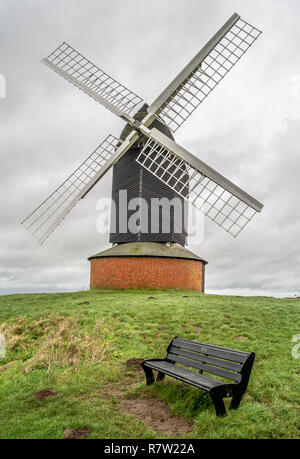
(76, 345)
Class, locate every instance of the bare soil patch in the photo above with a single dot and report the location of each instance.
(75, 434)
(45, 393)
(135, 363)
(156, 414)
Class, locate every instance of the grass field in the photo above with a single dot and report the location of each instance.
(77, 344)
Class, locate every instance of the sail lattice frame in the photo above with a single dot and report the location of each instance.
(205, 76)
(221, 206)
(44, 219)
(80, 71)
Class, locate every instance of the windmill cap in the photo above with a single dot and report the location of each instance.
(139, 115)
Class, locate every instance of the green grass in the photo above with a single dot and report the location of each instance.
(80, 351)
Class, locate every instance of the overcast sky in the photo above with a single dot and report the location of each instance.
(248, 129)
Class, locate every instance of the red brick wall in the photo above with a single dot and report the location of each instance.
(146, 272)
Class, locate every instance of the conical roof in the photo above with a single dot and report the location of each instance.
(149, 249)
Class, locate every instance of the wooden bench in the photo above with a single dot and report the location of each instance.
(227, 363)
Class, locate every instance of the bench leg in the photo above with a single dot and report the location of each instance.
(160, 376)
(219, 404)
(242, 387)
(149, 375)
(235, 401)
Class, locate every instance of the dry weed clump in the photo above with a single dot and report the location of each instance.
(55, 341)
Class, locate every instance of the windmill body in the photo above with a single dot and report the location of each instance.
(168, 222)
(148, 165)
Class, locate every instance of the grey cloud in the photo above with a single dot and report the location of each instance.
(248, 129)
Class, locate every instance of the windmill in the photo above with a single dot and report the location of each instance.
(146, 160)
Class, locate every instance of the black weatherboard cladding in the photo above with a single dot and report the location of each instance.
(139, 183)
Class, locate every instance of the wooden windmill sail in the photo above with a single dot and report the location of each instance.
(146, 159)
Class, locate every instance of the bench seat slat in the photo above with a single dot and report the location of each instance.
(208, 368)
(195, 379)
(207, 359)
(229, 354)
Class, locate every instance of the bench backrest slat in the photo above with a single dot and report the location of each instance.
(207, 368)
(215, 351)
(206, 359)
(216, 360)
